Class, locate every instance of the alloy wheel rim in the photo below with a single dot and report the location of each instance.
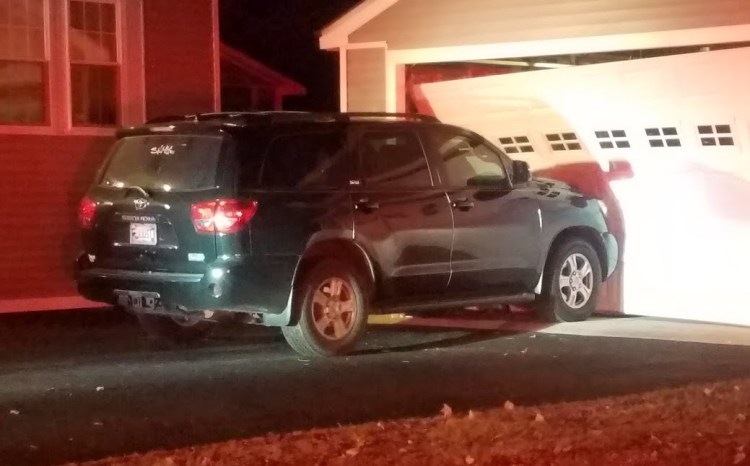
(334, 309)
(576, 281)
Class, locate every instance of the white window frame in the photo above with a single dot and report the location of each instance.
(131, 72)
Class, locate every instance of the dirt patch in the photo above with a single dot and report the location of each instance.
(698, 425)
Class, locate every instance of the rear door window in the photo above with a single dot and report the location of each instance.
(315, 160)
(394, 159)
(164, 163)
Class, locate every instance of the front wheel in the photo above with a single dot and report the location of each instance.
(332, 314)
(572, 290)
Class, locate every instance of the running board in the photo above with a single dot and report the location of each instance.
(422, 306)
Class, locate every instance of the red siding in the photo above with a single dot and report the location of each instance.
(179, 57)
(41, 182)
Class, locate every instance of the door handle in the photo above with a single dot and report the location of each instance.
(463, 204)
(366, 205)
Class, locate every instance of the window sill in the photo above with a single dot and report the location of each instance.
(18, 130)
(90, 131)
(23, 130)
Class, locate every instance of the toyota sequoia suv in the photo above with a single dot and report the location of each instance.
(310, 222)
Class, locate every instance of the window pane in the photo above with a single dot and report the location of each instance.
(94, 95)
(5, 49)
(108, 18)
(394, 159)
(22, 92)
(92, 32)
(21, 29)
(76, 15)
(4, 13)
(91, 16)
(313, 160)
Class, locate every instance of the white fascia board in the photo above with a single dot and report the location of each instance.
(337, 34)
(676, 38)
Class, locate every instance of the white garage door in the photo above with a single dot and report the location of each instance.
(682, 122)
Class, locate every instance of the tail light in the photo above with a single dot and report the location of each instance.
(86, 211)
(222, 216)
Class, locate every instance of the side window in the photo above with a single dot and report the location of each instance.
(394, 159)
(306, 161)
(467, 158)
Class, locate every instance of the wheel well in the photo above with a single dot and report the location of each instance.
(342, 250)
(584, 233)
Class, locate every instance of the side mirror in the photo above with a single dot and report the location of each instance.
(521, 172)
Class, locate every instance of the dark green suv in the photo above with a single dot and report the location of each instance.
(312, 221)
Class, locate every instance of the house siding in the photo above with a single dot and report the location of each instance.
(179, 57)
(366, 80)
(42, 182)
(411, 24)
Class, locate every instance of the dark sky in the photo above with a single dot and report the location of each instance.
(284, 35)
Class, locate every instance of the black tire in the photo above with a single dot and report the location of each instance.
(174, 330)
(307, 338)
(554, 304)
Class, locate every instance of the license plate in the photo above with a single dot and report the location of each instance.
(143, 234)
(138, 300)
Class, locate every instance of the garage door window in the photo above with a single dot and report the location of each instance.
(716, 135)
(516, 145)
(563, 141)
(614, 139)
(663, 137)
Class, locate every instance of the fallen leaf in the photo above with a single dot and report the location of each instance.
(447, 411)
(539, 417)
(509, 406)
(469, 460)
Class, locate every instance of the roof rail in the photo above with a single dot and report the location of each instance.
(402, 116)
(293, 116)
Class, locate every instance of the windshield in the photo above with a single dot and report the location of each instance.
(164, 163)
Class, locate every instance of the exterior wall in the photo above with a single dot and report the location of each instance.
(366, 80)
(411, 24)
(43, 179)
(180, 48)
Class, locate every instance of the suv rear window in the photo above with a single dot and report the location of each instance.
(164, 163)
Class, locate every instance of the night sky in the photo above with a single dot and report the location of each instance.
(284, 35)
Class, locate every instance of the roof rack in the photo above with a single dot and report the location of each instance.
(276, 116)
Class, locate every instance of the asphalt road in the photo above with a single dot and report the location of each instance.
(88, 385)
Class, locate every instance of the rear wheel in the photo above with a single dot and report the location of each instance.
(179, 330)
(573, 284)
(332, 314)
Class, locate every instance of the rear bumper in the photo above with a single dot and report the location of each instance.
(255, 285)
(613, 253)
(188, 292)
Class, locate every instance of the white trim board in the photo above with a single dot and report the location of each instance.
(649, 40)
(336, 34)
